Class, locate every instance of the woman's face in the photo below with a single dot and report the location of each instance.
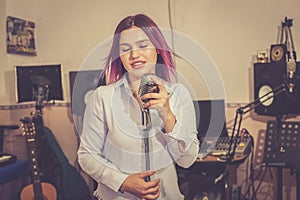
(137, 53)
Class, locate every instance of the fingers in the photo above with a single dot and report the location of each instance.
(147, 173)
(156, 98)
(156, 101)
(157, 80)
(159, 83)
(151, 196)
(152, 191)
(153, 185)
(136, 185)
(150, 96)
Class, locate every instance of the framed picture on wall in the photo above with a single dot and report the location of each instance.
(20, 36)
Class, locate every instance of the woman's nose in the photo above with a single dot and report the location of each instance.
(134, 54)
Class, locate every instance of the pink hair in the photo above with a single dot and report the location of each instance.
(114, 69)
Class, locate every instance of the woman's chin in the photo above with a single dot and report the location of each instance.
(138, 73)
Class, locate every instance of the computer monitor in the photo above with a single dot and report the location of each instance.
(210, 118)
(81, 84)
(29, 77)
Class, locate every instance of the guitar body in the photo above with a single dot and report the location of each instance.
(49, 192)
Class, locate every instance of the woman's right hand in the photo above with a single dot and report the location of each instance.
(136, 185)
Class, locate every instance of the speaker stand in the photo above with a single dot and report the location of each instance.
(298, 184)
(279, 181)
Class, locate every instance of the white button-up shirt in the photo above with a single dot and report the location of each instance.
(112, 147)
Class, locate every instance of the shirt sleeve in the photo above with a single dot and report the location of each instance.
(91, 146)
(185, 129)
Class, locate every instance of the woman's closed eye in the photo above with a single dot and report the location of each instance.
(143, 45)
(124, 48)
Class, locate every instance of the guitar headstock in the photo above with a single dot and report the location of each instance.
(31, 125)
(28, 127)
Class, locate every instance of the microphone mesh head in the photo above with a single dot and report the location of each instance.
(147, 85)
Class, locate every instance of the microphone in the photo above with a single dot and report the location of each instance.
(40, 89)
(291, 69)
(147, 85)
(40, 94)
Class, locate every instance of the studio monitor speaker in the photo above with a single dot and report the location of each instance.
(278, 53)
(268, 77)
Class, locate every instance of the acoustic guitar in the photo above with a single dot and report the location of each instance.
(37, 190)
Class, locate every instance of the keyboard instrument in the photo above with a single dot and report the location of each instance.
(220, 146)
(6, 159)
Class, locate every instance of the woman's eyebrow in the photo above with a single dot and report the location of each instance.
(137, 42)
(124, 44)
(144, 40)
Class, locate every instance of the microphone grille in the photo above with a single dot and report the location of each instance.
(147, 85)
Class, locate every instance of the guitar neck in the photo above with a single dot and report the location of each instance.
(32, 129)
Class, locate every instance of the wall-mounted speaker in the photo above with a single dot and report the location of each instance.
(268, 77)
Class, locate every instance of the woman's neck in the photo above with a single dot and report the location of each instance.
(134, 87)
(133, 83)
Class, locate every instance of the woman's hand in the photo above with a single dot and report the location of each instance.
(160, 102)
(136, 185)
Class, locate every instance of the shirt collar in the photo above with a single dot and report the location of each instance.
(123, 83)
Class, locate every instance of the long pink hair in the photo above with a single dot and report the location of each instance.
(114, 69)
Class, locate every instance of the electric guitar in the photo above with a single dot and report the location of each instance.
(37, 190)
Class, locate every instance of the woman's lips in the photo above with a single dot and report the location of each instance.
(138, 64)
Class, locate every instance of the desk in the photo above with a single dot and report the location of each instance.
(204, 179)
(13, 178)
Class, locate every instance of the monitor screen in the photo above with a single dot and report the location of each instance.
(81, 84)
(28, 77)
(210, 118)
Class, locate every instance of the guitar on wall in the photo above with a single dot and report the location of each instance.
(37, 190)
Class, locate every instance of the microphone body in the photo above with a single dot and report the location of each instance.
(40, 94)
(147, 86)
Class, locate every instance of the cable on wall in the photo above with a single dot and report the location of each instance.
(171, 27)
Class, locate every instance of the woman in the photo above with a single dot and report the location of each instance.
(112, 142)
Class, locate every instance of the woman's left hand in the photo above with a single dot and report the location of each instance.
(160, 102)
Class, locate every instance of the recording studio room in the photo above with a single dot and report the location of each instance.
(236, 59)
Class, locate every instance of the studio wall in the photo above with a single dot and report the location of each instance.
(68, 32)
(231, 32)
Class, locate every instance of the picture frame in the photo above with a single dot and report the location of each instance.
(20, 36)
